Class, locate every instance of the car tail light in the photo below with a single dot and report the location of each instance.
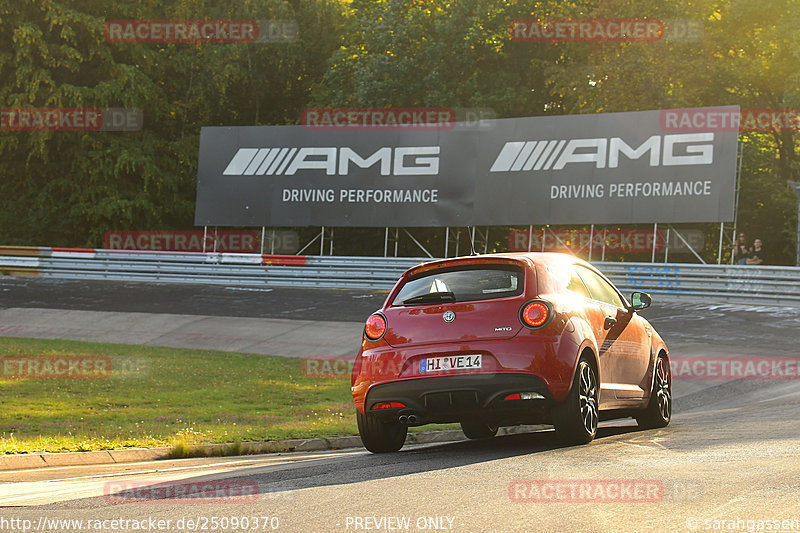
(388, 405)
(376, 327)
(524, 396)
(535, 314)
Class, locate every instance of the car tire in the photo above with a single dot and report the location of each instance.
(478, 430)
(658, 412)
(576, 418)
(380, 436)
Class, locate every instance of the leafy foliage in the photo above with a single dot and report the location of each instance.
(68, 188)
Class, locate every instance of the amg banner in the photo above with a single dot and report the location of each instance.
(612, 168)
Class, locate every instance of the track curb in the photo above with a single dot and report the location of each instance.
(132, 455)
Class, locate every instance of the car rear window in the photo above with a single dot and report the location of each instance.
(461, 284)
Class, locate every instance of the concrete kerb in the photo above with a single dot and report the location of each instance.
(132, 455)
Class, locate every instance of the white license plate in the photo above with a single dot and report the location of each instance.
(450, 362)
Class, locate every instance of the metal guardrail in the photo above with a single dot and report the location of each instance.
(765, 285)
(761, 285)
(252, 270)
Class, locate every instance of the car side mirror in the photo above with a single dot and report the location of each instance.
(640, 300)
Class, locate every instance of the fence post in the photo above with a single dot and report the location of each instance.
(796, 188)
(655, 236)
(263, 231)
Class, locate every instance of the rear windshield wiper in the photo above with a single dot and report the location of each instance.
(431, 298)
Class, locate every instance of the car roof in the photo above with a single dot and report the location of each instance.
(543, 259)
(534, 258)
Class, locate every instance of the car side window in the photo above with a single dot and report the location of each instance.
(576, 285)
(599, 288)
(566, 275)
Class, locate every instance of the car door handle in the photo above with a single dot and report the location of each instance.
(610, 322)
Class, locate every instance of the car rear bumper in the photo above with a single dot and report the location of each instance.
(465, 397)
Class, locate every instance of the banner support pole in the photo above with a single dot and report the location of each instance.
(262, 239)
(719, 250)
(655, 236)
(205, 234)
(530, 237)
(418, 243)
(603, 255)
(322, 241)
(591, 241)
(472, 240)
(666, 246)
(689, 246)
(740, 155)
(446, 240)
(796, 187)
(386, 242)
(303, 249)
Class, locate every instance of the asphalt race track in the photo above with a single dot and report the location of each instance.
(294, 303)
(729, 461)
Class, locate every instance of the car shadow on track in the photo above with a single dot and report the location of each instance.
(277, 481)
(414, 459)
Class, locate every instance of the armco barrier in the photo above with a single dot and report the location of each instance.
(766, 285)
(231, 269)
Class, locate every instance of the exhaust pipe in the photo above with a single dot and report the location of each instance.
(408, 419)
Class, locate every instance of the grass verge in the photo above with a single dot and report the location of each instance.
(157, 396)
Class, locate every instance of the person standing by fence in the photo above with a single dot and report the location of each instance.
(757, 254)
(741, 252)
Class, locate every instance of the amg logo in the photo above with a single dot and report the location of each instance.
(555, 155)
(399, 161)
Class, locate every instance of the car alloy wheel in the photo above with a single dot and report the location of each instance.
(658, 412)
(663, 391)
(588, 398)
(576, 418)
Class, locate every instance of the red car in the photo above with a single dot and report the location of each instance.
(507, 339)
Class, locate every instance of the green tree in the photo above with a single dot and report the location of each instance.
(712, 53)
(68, 188)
